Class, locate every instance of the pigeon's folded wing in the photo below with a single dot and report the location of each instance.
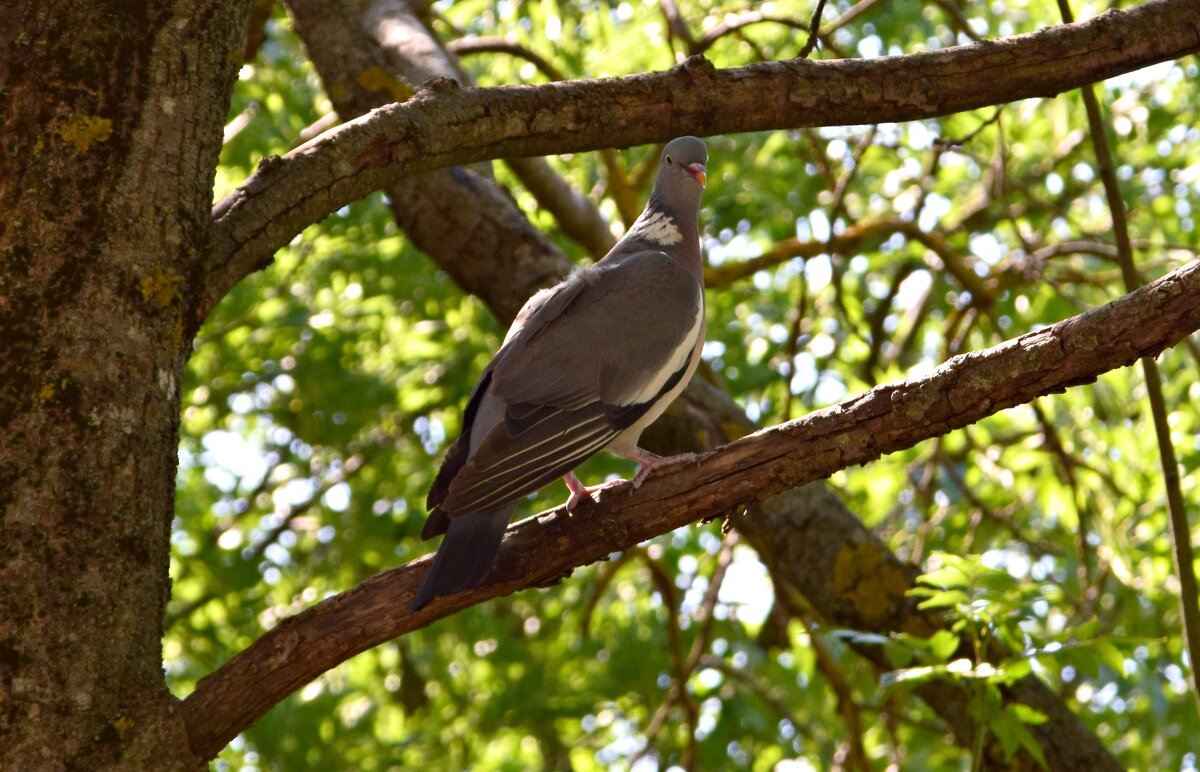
(588, 361)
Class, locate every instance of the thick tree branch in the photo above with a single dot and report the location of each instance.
(444, 125)
(543, 548)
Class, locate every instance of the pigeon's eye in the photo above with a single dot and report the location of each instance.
(669, 160)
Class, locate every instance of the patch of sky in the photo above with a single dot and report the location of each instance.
(293, 493)
(1143, 78)
(987, 248)
(738, 247)
(936, 207)
(747, 587)
(230, 457)
(870, 47)
(830, 389)
(337, 498)
(913, 289)
(919, 136)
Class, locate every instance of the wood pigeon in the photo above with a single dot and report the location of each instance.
(587, 365)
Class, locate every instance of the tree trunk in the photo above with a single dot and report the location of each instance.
(112, 125)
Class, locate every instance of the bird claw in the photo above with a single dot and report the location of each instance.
(579, 491)
(649, 465)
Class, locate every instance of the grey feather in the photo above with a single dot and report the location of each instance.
(587, 364)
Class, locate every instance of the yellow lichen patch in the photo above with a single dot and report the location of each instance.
(872, 583)
(161, 289)
(83, 131)
(123, 725)
(49, 389)
(379, 79)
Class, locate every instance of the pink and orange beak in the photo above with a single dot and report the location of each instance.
(698, 173)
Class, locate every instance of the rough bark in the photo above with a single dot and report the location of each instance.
(112, 119)
(545, 547)
(445, 125)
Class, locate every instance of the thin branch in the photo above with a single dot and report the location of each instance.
(624, 191)
(759, 690)
(843, 693)
(575, 214)
(1181, 539)
(960, 23)
(855, 11)
(954, 262)
(445, 125)
(475, 218)
(545, 547)
(736, 22)
(496, 45)
(814, 27)
(677, 27)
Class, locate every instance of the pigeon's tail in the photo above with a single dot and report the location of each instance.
(466, 553)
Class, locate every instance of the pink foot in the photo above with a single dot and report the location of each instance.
(579, 491)
(652, 462)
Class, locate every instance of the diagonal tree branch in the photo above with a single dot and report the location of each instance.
(445, 125)
(543, 548)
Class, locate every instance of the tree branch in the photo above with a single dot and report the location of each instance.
(493, 45)
(444, 125)
(576, 214)
(541, 549)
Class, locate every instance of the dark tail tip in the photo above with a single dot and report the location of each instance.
(466, 554)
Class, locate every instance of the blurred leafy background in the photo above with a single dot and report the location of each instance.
(323, 391)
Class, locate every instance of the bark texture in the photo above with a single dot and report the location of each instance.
(112, 118)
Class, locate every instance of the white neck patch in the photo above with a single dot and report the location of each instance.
(658, 228)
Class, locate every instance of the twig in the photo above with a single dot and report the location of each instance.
(738, 22)
(677, 28)
(842, 690)
(498, 45)
(814, 26)
(857, 10)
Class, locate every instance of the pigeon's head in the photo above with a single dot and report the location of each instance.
(684, 164)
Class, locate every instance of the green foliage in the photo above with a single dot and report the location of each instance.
(324, 390)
